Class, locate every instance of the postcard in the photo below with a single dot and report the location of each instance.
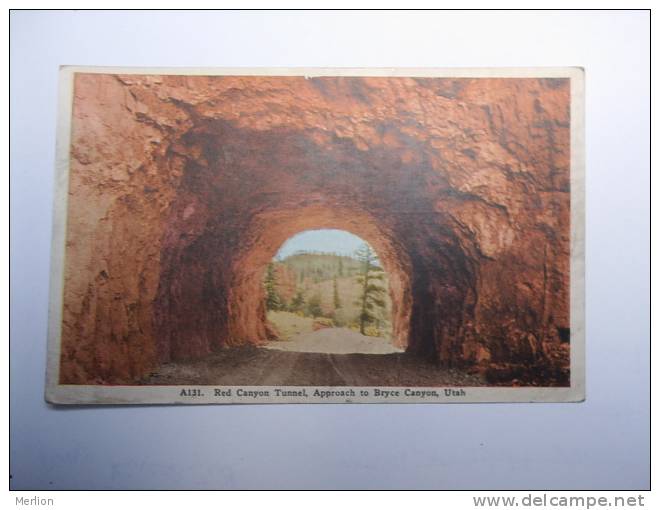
(318, 235)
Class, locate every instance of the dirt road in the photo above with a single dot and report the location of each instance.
(335, 341)
(348, 359)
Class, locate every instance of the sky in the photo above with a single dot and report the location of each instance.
(325, 240)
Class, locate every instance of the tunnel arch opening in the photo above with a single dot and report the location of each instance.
(283, 225)
(326, 290)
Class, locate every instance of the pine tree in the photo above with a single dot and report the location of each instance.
(273, 300)
(314, 306)
(335, 293)
(372, 301)
(298, 302)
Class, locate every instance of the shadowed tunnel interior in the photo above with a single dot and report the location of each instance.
(183, 188)
(245, 193)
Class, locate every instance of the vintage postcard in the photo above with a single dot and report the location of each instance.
(318, 235)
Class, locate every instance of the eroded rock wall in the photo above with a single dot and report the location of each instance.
(183, 188)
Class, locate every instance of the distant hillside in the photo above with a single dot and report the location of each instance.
(318, 267)
(313, 275)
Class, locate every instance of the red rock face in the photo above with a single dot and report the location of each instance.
(183, 188)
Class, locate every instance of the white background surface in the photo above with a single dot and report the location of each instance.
(602, 443)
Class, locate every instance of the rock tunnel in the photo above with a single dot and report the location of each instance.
(189, 185)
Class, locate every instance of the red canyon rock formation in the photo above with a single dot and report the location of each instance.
(183, 188)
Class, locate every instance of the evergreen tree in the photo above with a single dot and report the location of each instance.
(335, 293)
(273, 300)
(371, 301)
(298, 302)
(314, 306)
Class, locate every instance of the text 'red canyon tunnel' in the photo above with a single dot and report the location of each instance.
(191, 185)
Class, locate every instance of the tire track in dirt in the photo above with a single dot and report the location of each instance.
(279, 367)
